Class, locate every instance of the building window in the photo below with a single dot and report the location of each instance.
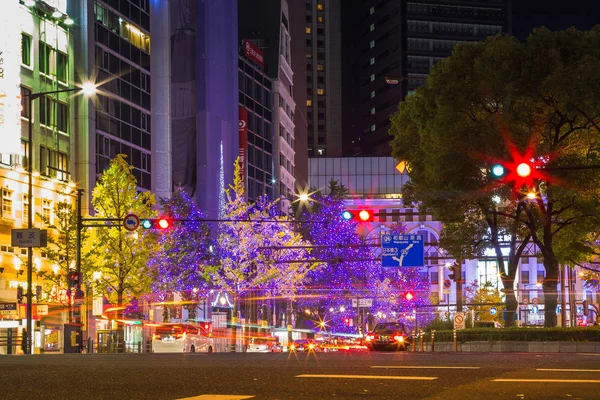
(308, 54)
(524, 277)
(26, 50)
(372, 110)
(321, 152)
(45, 110)
(320, 7)
(309, 103)
(320, 19)
(321, 91)
(371, 44)
(372, 77)
(62, 117)
(61, 67)
(25, 111)
(372, 61)
(45, 52)
(47, 210)
(7, 203)
(373, 128)
(372, 27)
(372, 93)
(25, 203)
(308, 30)
(371, 10)
(320, 67)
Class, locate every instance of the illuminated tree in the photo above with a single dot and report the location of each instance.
(119, 255)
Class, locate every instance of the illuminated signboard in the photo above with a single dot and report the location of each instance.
(10, 78)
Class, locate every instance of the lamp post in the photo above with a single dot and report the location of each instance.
(88, 89)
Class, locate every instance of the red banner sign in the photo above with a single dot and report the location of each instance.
(252, 52)
(243, 149)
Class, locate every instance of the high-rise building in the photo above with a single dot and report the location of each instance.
(266, 24)
(399, 42)
(324, 77)
(112, 47)
(36, 56)
(256, 123)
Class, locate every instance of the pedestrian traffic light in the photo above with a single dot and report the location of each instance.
(408, 296)
(73, 279)
(38, 292)
(358, 215)
(19, 294)
(455, 275)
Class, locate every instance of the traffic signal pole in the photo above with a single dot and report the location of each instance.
(459, 288)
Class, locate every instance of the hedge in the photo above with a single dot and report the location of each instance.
(578, 334)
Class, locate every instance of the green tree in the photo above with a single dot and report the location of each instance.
(483, 297)
(544, 95)
(119, 255)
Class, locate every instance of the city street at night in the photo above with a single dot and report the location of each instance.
(362, 375)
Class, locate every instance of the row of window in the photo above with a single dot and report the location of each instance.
(124, 29)
(111, 148)
(259, 93)
(125, 112)
(123, 131)
(144, 179)
(53, 113)
(51, 62)
(320, 6)
(120, 45)
(455, 11)
(257, 188)
(285, 163)
(320, 19)
(259, 159)
(450, 28)
(122, 69)
(137, 11)
(8, 209)
(287, 136)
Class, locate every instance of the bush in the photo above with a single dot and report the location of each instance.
(578, 334)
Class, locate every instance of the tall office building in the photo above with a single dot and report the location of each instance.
(266, 23)
(112, 47)
(399, 42)
(324, 77)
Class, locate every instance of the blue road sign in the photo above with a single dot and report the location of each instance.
(402, 251)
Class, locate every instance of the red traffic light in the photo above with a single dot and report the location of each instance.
(365, 215)
(164, 223)
(409, 296)
(524, 170)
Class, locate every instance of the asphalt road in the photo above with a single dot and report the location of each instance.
(376, 375)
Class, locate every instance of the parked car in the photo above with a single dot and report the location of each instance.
(264, 345)
(388, 336)
(181, 338)
(305, 345)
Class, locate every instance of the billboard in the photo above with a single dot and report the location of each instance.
(10, 78)
(252, 52)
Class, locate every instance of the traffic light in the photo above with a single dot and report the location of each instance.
(456, 273)
(358, 215)
(524, 169)
(161, 223)
(38, 292)
(20, 294)
(73, 279)
(497, 171)
(586, 308)
(408, 296)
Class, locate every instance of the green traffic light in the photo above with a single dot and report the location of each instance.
(347, 215)
(146, 224)
(498, 171)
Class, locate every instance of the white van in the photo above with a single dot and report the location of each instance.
(181, 338)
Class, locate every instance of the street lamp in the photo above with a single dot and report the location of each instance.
(88, 89)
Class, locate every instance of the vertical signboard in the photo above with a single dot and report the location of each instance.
(10, 78)
(243, 133)
(252, 52)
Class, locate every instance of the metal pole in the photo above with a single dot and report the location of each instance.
(78, 238)
(29, 331)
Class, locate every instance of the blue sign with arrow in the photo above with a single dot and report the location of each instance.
(402, 250)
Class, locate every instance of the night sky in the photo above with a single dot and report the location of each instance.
(554, 15)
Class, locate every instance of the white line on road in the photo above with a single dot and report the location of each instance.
(548, 380)
(567, 370)
(407, 378)
(218, 397)
(419, 367)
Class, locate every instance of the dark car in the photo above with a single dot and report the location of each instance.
(388, 336)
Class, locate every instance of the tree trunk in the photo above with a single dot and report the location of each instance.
(512, 302)
(550, 286)
(234, 323)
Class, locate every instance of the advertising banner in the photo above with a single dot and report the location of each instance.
(252, 52)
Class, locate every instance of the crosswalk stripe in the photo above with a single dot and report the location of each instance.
(407, 378)
(218, 397)
(419, 367)
(567, 370)
(548, 380)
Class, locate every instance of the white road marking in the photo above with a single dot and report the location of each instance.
(419, 367)
(567, 370)
(218, 397)
(406, 378)
(548, 380)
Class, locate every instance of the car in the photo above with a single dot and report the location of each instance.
(388, 336)
(305, 345)
(264, 344)
(181, 338)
